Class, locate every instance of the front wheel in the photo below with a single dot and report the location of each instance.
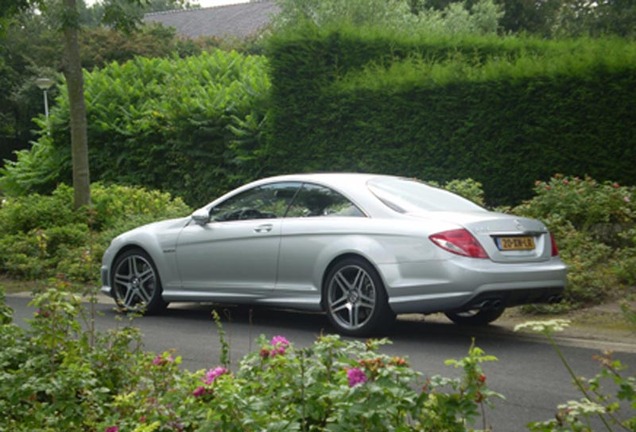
(476, 317)
(355, 299)
(135, 283)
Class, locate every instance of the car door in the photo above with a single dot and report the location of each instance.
(317, 224)
(235, 255)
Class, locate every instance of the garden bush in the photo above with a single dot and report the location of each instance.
(42, 235)
(57, 376)
(190, 136)
(501, 110)
(594, 224)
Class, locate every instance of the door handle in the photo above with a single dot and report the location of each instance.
(263, 228)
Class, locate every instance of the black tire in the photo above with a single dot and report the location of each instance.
(355, 299)
(135, 283)
(476, 317)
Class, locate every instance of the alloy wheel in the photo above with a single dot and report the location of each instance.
(134, 282)
(351, 297)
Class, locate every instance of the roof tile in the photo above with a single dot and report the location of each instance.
(233, 21)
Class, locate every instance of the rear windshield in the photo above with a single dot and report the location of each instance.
(411, 196)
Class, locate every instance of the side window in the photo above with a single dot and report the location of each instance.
(262, 202)
(314, 200)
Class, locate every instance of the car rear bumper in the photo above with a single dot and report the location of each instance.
(465, 283)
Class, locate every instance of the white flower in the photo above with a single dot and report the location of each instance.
(546, 327)
(583, 408)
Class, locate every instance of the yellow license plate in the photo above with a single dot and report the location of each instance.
(515, 243)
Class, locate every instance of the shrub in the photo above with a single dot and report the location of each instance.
(593, 223)
(115, 204)
(626, 257)
(36, 211)
(332, 385)
(42, 236)
(60, 375)
(339, 385)
(187, 136)
(57, 376)
(602, 209)
(24, 255)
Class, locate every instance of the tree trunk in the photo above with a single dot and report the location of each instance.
(75, 85)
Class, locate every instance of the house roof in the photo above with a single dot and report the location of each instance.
(233, 21)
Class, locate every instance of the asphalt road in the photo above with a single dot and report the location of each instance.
(528, 371)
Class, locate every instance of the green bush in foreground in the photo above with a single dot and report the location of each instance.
(57, 376)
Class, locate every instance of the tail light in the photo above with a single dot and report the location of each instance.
(555, 248)
(460, 242)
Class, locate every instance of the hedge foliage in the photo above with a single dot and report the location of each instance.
(503, 111)
(184, 126)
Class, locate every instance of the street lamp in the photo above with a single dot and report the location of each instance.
(44, 84)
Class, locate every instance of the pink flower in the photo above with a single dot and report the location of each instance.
(279, 344)
(161, 360)
(280, 341)
(213, 374)
(198, 392)
(112, 429)
(356, 376)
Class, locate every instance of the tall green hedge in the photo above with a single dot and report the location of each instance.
(503, 111)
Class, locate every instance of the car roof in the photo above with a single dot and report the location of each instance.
(336, 179)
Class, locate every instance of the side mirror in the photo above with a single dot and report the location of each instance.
(201, 216)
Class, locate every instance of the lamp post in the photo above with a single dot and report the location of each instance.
(45, 84)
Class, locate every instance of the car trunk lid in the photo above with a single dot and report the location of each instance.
(505, 238)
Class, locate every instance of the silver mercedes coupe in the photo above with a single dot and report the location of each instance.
(362, 248)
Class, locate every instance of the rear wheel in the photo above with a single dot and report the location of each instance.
(136, 285)
(355, 299)
(476, 317)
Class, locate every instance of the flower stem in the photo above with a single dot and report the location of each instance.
(576, 379)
